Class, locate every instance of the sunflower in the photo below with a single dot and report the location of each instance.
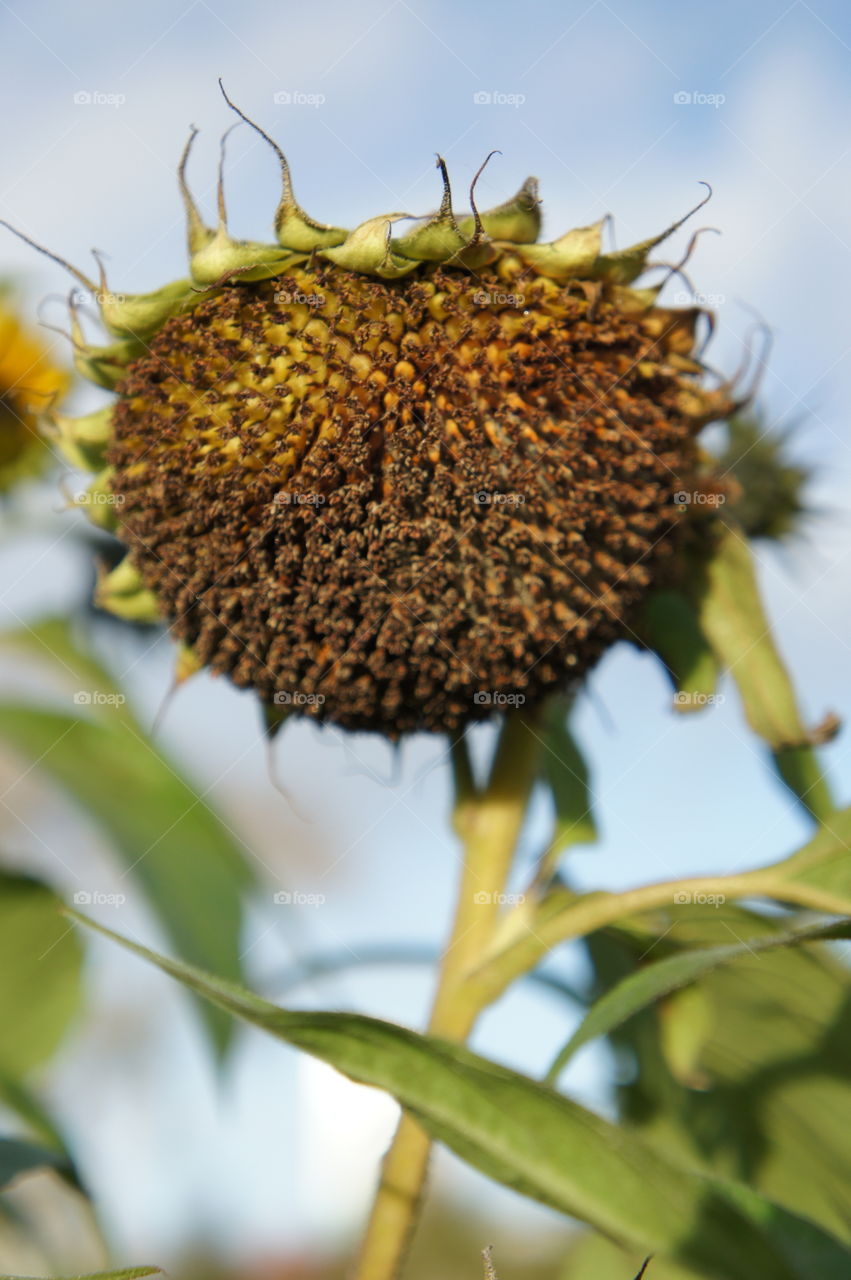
(29, 383)
(395, 479)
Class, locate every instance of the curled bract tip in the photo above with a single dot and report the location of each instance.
(518, 220)
(198, 234)
(626, 265)
(294, 229)
(436, 238)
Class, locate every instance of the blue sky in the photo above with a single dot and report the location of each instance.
(616, 108)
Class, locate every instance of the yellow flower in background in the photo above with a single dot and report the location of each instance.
(29, 383)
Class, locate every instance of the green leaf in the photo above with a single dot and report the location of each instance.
(732, 617)
(50, 641)
(592, 1257)
(668, 624)
(825, 862)
(186, 860)
(567, 774)
(544, 1145)
(15, 1095)
(686, 1019)
(18, 1157)
(779, 1062)
(40, 974)
(129, 1273)
(774, 1104)
(647, 985)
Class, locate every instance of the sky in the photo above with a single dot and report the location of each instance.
(617, 108)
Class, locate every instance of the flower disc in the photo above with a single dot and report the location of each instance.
(401, 505)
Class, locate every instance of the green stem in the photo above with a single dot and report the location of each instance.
(489, 823)
(579, 916)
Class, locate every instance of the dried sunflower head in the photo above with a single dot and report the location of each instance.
(395, 481)
(29, 382)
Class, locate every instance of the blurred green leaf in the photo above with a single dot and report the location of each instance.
(648, 984)
(686, 1019)
(825, 861)
(593, 1257)
(732, 617)
(192, 869)
(18, 1157)
(567, 775)
(20, 1100)
(779, 1062)
(774, 1104)
(129, 1273)
(668, 624)
(544, 1145)
(40, 974)
(51, 641)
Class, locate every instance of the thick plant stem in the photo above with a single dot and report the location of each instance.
(489, 823)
